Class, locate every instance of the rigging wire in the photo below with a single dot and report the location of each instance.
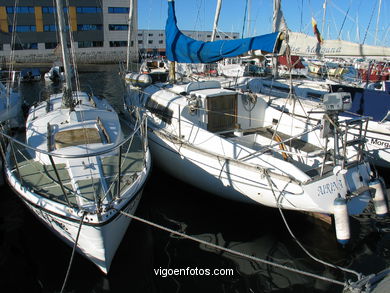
(369, 23)
(345, 17)
(243, 24)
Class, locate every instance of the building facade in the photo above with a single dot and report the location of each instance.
(99, 31)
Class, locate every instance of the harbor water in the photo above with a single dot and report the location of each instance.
(32, 259)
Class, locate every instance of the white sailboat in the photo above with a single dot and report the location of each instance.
(79, 167)
(227, 142)
(366, 102)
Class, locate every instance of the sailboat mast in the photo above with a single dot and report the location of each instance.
(377, 21)
(129, 33)
(323, 19)
(67, 96)
(216, 18)
(248, 30)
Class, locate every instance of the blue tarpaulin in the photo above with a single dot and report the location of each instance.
(366, 102)
(184, 49)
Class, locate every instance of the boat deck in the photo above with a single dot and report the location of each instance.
(266, 132)
(42, 179)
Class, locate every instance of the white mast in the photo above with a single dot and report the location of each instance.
(67, 101)
(216, 18)
(357, 29)
(129, 33)
(377, 21)
(278, 24)
(248, 31)
(323, 18)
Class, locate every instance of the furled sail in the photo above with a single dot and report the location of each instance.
(184, 49)
(304, 45)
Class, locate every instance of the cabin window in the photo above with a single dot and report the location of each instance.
(222, 113)
(162, 112)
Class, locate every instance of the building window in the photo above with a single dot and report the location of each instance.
(52, 28)
(209, 36)
(150, 35)
(25, 46)
(140, 35)
(51, 9)
(49, 28)
(118, 27)
(89, 27)
(52, 45)
(118, 9)
(90, 44)
(160, 35)
(20, 9)
(150, 42)
(140, 42)
(118, 43)
(87, 9)
(22, 28)
(1, 47)
(161, 41)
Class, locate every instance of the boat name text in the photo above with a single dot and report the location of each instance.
(329, 188)
(379, 142)
(316, 50)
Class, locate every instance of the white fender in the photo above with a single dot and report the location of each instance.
(138, 79)
(378, 197)
(341, 220)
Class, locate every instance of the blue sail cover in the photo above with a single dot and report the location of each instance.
(184, 49)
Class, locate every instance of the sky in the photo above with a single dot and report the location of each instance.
(351, 20)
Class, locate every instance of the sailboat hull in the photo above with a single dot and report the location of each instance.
(239, 181)
(100, 236)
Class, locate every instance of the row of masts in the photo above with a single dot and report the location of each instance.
(279, 23)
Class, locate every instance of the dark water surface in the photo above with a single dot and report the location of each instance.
(32, 259)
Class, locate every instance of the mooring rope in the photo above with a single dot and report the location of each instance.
(73, 251)
(253, 258)
(270, 183)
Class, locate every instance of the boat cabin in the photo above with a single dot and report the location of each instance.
(208, 106)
